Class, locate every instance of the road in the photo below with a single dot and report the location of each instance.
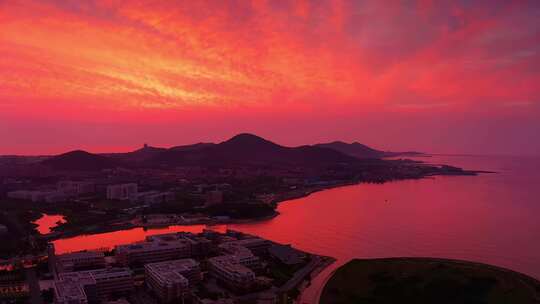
(301, 274)
(298, 277)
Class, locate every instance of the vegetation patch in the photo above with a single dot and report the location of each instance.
(426, 280)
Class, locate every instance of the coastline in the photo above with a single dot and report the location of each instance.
(110, 227)
(284, 197)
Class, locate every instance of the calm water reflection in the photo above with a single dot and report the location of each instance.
(492, 218)
(111, 239)
(47, 221)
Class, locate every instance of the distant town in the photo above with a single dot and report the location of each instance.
(242, 179)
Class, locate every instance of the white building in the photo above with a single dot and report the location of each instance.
(153, 251)
(286, 254)
(97, 285)
(75, 188)
(255, 244)
(69, 292)
(200, 246)
(122, 191)
(231, 272)
(242, 255)
(75, 261)
(171, 280)
(48, 196)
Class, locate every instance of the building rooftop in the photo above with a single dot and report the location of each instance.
(80, 277)
(253, 241)
(81, 255)
(91, 276)
(151, 245)
(171, 271)
(286, 254)
(230, 264)
(236, 249)
(68, 291)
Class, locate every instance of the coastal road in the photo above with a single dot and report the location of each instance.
(300, 275)
(313, 293)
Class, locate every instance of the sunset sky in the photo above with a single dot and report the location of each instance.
(107, 75)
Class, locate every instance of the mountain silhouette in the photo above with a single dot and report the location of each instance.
(249, 149)
(355, 149)
(79, 160)
(240, 150)
(359, 150)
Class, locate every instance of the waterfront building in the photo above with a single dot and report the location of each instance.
(235, 269)
(122, 191)
(160, 219)
(286, 254)
(200, 246)
(255, 244)
(171, 280)
(98, 285)
(83, 260)
(242, 255)
(228, 270)
(152, 251)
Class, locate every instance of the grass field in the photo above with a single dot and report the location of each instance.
(426, 280)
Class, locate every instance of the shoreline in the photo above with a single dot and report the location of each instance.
(285, 197)
(106, 227)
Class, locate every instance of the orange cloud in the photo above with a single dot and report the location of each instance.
(271, 56)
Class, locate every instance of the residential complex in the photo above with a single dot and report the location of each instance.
(177, 268)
